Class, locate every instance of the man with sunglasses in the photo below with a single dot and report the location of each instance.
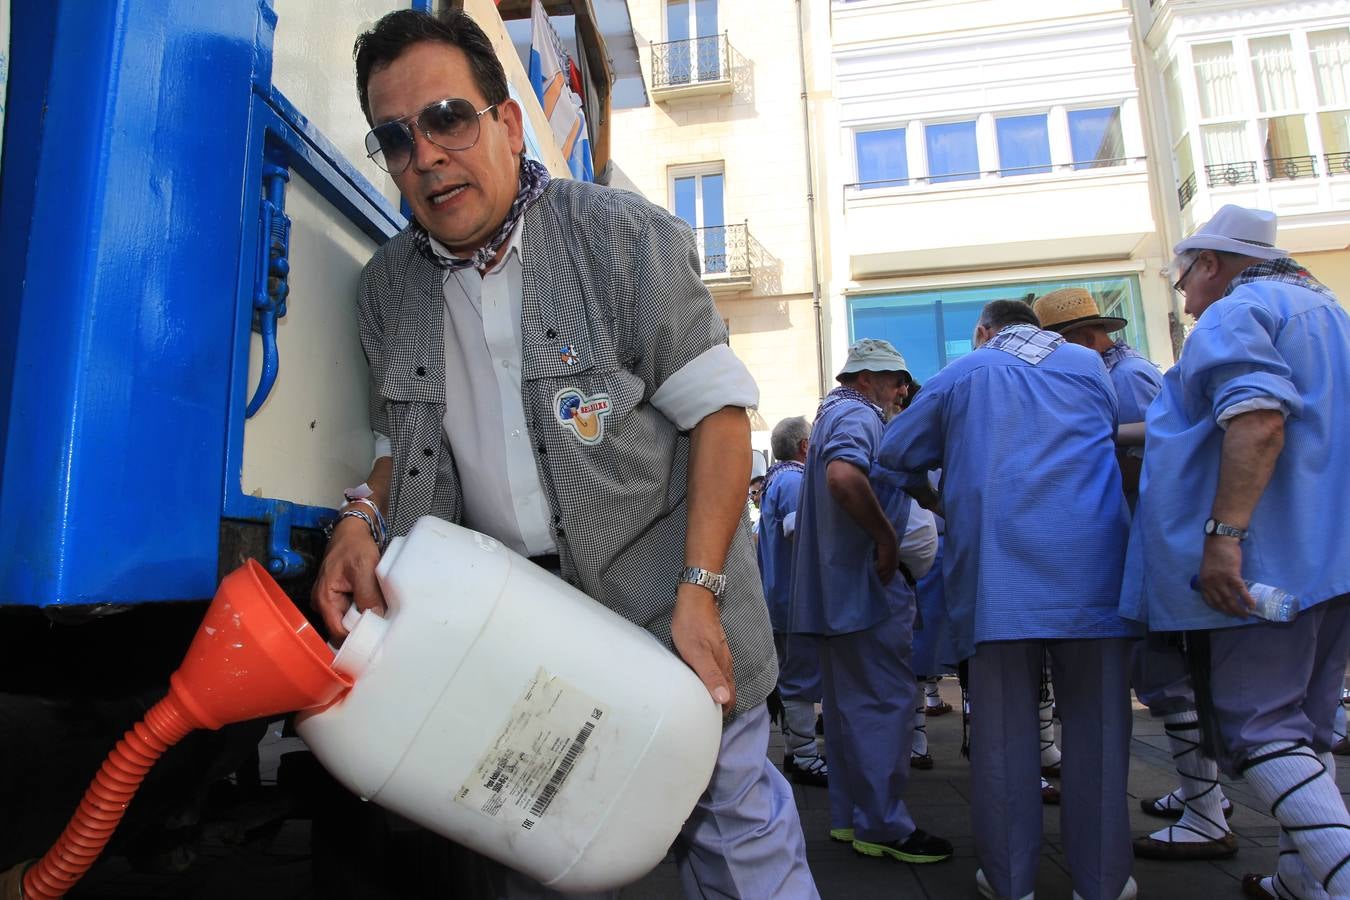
(548, 368)
(1245, 481)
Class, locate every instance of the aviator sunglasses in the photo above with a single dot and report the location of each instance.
(451, 124)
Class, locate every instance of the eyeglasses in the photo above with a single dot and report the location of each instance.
(451, 124)
(1178, 287)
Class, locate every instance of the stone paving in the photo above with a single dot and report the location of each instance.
(271, 861)
(939, 802)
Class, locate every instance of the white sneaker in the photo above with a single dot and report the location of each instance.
(1129, 892)
(987, 892)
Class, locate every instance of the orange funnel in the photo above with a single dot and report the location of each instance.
(254, 655)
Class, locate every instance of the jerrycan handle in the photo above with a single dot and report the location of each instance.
(365, 634)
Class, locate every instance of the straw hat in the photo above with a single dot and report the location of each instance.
(1237, 229)
(873, 355)
(1073, 307)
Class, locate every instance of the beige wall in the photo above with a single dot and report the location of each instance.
(756, 132)
(1332, 269)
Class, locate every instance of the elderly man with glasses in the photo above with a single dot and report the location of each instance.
(1243, 491)
(548, 368)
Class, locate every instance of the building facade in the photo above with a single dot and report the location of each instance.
(895, 164)
(1250, 104)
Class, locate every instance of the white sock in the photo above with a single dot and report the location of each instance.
(799, 729)
(920, 744)
(1202, 818)
(1303, 796)
(931, 697)
(1338, 724)
(1050, 755)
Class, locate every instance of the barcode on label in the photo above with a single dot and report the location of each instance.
(545, 798)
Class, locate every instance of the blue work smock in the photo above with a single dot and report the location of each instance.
(835, 589)
(1036, 520)
(775, 548)
(1136, 381)
(1266, 341)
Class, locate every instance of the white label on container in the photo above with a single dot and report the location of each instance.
(519, 778)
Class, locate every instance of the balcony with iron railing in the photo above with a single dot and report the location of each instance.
(730, 256)
(1271, 171)
(694, 67)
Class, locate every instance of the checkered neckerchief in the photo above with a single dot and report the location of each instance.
(1119, 352)
(1027, 342)
(778, 467)
(533, 178)
(843, 394)
(1284, 270)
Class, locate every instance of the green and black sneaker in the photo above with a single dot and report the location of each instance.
(919, 847)
(843, 835)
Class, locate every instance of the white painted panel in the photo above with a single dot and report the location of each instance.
(312, 66)
(312, 438)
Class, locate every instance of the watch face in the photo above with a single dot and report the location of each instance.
(1209, 526)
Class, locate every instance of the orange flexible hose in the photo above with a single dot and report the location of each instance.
(106, 800)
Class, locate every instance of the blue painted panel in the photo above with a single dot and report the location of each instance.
(113, 458)
(32, 33)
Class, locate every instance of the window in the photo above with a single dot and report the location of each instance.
(1330, 51)
(1023, 145)
(881, 158)
(696, 58)
(1273, 71)
(952, 152)
(1335, 133)
(933, 328)
(1286, 148)
(1095, 137)
(697, 198)
(1216, 80)
(1224, 144)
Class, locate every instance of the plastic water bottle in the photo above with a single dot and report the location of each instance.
(1272, 603)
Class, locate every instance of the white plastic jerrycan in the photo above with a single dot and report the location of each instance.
(502, 708)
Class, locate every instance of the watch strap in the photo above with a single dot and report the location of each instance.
(714, 581)
(1223, 529)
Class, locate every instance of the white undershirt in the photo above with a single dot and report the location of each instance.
(484, 412)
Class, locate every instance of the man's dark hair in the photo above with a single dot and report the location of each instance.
(999, 314)
(398, 31)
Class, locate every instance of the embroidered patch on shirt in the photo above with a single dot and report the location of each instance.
(569, 354)
(584, 415)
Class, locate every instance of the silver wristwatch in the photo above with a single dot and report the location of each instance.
(1223, 529)
(713, 581)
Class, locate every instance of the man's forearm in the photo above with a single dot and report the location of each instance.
(719, 482)
(1251, 447)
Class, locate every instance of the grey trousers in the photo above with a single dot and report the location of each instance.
(1092, 693)
(1276, 681)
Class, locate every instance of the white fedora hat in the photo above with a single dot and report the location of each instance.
(1236, 229)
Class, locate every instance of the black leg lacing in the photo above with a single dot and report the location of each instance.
(1300, 750)
(1175, 731)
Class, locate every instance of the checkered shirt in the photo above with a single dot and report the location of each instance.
(617, 279)
(1118, 353)
(1027, 342)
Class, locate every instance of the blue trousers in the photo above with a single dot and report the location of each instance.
(798, 666)
(1092, 693)
(1159, 676)
(869, 700)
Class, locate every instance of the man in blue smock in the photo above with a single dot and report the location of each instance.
(1023, 430)
(798, 654)
(1244, 483)
(846, 560)
(1158, 670)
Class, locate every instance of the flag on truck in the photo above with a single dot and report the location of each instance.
(557, 84)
